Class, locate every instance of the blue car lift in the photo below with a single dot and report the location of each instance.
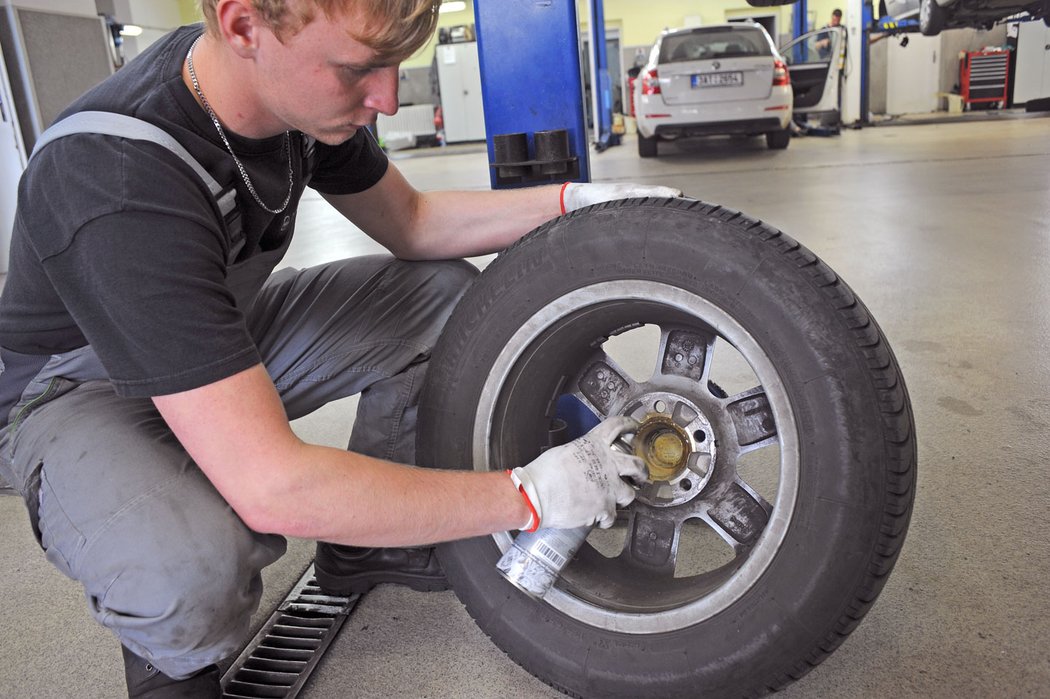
(600, 81)
(535, 119)
(799, 25)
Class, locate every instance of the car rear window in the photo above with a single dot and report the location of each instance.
(705, 44)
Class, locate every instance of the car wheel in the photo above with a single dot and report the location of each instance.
(931, 17)
(781, 501)
(647, 146)
(778, 140)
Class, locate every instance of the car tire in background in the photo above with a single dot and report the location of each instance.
(778, 140)
(793, 413)
(931, 17)
(647, 146)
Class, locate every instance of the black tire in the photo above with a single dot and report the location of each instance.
(647, 145)
(778, 140)
(931, 18)
(811, 559)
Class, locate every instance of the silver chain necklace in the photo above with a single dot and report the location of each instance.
(222, 135)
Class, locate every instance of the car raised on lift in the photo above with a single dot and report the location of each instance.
(713, 80)
(937, 15)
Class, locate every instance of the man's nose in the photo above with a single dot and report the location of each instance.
(382, 90)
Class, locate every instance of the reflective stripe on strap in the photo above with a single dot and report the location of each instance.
(124, 126)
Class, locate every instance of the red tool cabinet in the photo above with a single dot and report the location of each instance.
(983, 76)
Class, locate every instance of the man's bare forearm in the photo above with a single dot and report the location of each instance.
(355, 499)
(237, 432)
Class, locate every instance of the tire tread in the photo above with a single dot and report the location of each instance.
(897, 418)
(893, 404)
(892, 401)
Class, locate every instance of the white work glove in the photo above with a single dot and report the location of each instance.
(580, 483)
(576, 195)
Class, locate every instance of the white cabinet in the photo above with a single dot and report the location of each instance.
(12, 162)
(1032, 80)
(459, 76)
(913, 75)
(53, 50)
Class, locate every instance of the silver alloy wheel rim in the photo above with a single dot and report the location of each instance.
(728, 330)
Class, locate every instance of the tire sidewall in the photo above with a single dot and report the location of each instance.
(824, 557)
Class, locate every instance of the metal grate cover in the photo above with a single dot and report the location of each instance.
(281, 657)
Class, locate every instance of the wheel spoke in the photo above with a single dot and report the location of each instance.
(685, 352)
(739, 515)
(652, 540)
(752, 417)
(604, 385)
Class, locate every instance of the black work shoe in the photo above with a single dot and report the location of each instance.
(145, 681)
(347, 570)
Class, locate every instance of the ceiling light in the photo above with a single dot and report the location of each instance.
(452, 6)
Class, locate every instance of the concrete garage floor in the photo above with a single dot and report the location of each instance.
(944, 231)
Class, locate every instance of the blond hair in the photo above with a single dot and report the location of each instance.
(395, 29)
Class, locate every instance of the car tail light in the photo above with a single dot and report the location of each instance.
(780, 73)
(651, 83)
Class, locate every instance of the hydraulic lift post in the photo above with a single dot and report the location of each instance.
(799, 13)
(601, 84)
(529, 52)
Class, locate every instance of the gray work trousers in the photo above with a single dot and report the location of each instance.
(118, 505)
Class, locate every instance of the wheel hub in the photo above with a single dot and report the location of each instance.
(663, 446)
(676, 442)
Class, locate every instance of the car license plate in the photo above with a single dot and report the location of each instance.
(732, 79)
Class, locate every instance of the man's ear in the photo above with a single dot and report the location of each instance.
(239, 26)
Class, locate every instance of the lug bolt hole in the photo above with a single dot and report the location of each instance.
(687, 485)
(659, 406)
(700, 435)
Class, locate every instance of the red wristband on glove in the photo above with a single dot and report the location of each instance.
(561, 200)
(534, 517)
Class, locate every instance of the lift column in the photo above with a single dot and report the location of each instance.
(530, 82)
(601, 85)
(799, 17)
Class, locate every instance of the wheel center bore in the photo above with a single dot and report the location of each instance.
(676, 441)
(664, 446)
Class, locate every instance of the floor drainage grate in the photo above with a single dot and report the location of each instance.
(281, 657)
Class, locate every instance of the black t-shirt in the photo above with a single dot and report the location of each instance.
(118, 244)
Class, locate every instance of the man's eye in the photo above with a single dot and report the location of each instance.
(355, 72)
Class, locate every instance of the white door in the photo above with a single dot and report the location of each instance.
(912, 74)
(815, 63)
(1033, 62)
(459, 74)
(12, 162)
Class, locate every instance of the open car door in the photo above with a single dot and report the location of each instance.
(815, 61)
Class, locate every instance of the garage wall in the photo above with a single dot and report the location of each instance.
(640, 22)
(156, 17)
(955, 41)
(952, 43)
(425, 55)
(190, 11)
(73, 7)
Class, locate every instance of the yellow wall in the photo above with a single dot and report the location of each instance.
(446, 19)
(640, 22)
(190, 11)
